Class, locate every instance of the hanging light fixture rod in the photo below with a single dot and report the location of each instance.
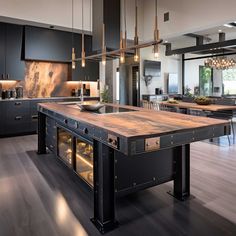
(136, 51)
(83, 50)
(118, 51)
(156, 33)
(73, 56)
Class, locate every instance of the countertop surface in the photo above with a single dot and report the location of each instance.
(191, 105)
(45, 98)
(141, 122)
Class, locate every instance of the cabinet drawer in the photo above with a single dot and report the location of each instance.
(14, 108)
(17, 124)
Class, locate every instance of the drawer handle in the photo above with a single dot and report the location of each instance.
(18, 117)
(3, 76)
(8, 76)
(34, 117)
(65, 121)
(18, 103)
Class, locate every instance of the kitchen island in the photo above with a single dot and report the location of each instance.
(123, 149)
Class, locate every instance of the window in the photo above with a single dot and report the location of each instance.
(229, 81)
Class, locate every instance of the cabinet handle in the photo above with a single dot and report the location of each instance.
(18, 117)
(8, 76)
(34, 117)
(3, 76)
(18, 103)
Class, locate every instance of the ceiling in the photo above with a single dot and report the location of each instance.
(210, 35)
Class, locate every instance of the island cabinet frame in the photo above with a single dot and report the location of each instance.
(118, 171)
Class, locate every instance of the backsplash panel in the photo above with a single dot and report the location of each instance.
(46, 79)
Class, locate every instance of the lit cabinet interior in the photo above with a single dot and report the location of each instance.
(84, 161)
(65, 146)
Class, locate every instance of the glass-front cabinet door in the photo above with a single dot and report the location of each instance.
(65, 146)
(84, 160)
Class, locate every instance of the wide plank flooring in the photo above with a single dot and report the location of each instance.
(40, 196)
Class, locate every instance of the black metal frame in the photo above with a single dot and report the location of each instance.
(176, 167)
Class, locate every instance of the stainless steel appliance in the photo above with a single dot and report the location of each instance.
(19, 92)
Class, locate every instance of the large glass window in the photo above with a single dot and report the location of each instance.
(229, 81)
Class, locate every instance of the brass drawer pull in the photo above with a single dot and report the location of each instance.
(18, 103)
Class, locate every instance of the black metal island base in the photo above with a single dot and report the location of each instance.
(123, 149)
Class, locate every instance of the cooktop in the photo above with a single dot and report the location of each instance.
(110, 109)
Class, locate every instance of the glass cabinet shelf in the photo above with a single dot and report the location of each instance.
(65, 140)
(84, 161)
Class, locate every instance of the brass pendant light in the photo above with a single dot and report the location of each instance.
(136, 51)
(72, 39)
(123, 40)
(83, 51)
(103, 46)
(156, 33)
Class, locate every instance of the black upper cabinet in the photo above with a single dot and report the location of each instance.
(47, 44)
(2, 51)
(11, 41)
(15, 66)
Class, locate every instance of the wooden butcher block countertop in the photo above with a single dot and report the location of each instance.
(141, 122)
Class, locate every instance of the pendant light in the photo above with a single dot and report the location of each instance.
(156, 34)
(136, 51)
(83, 51)
(103, 46)
(72, 38)
(123, 40)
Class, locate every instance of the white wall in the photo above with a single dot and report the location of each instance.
(187, 16)
(130, 18)
(53, 12)
(170, 64)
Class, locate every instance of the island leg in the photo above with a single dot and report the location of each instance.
(182, 172)
(104, 190)
(41, 133)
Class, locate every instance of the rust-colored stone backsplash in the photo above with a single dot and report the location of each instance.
(45, 79)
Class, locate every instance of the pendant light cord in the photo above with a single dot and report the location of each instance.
(72, 21)
(82, 24)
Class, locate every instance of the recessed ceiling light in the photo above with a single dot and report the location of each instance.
(219, 30)
(228, 25)
(166, 41)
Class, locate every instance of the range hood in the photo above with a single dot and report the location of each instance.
(107, 12)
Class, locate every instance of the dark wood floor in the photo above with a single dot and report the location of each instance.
(39, 196)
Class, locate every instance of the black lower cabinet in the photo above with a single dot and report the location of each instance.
(17, 117)
(2, 118)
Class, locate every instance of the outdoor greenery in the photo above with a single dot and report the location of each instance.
(205, 82)
(104, 94)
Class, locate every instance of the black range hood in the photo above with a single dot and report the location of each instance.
(107, 12)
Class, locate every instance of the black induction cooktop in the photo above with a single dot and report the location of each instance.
(110, 109)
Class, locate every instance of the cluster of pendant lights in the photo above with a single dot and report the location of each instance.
(220, 63)
(123, 38)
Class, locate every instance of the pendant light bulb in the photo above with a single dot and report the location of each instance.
(122, 57)
(73, 58)
(156, 55)
(156, 51)
(104, 61)
(136, 55)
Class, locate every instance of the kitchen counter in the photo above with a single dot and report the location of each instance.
(47, 98)
(123, 150)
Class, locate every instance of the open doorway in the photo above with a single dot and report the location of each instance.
(135, 86)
